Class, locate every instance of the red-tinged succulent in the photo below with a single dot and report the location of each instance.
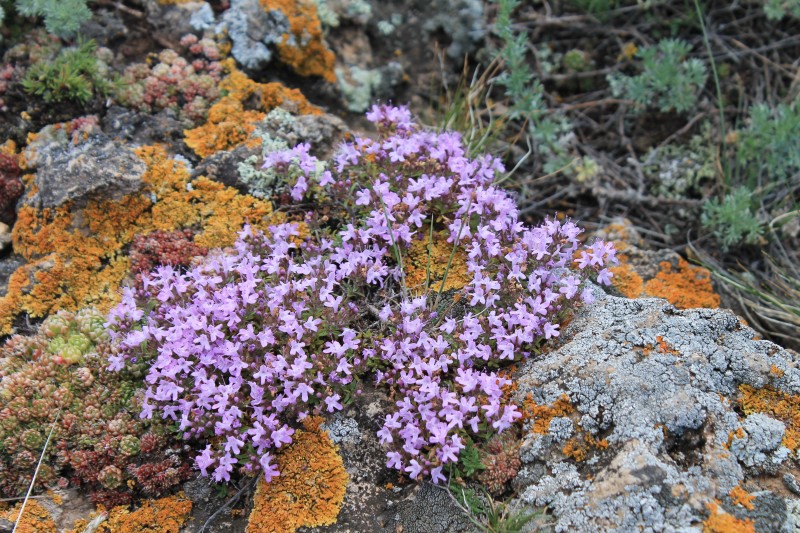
(188, 85)
(57, 380)
(11, 187)
(174, 248)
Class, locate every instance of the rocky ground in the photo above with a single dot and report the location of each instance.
(656, 409)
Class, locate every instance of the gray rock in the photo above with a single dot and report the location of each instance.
(143, 129)
(792, 484)
(8, 266)
(254, 32)
(659, 385)
(170, 22)
(223, 166)
(322, 132)
(431, 509)
(94, 167)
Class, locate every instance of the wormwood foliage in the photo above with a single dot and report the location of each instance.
(245, 346)
(61, 17)
(668, 80)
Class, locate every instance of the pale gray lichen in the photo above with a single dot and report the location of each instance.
(264, 182)
(332, 12)
(561, 428)
(203, 18)
(760, 447)
(280, 130)
(361, 87)
(343, 430)
(253, 31)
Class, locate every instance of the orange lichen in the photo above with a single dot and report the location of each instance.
(228, 126)
(685, 287)
(35, 518)
(303, 48)
(738, 434)
(577, 448)
(268, 95)
(218, 211)
(8, 148)
(719, 521)
(627, 281)
(76, 260)
(663, 347)
(777, 404)
(541, 415)
(739, 496)
(166, 515)
(310, 488)
(775, 371)
(426, 263)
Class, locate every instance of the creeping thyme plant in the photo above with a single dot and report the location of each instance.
(294, 322)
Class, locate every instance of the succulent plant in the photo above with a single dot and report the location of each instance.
(57, 379)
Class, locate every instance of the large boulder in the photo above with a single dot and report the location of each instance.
(666, 417)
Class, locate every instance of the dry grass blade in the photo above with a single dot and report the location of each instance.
(769, 300)
(36, 473)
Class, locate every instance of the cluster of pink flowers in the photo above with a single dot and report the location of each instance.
(248, 343)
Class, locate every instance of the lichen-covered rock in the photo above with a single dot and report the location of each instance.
(362, 86)
(254, 32)
(67, 170)
(288, 29)
(280, 130)
(310, 488)
(430, 509)
(143, 129)
(654, 397)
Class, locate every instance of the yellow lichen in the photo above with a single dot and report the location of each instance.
(426, 263)
(719, 521)
(775, 371)
(739, 496)
(685, 287)
(541, 415)
(216, 211)
(663, 347)
(228, 126)
(738, 434)
(303, 48)
(76, 260)
(35, 518)
(309, 490)
(165, 515)
(777, 404)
